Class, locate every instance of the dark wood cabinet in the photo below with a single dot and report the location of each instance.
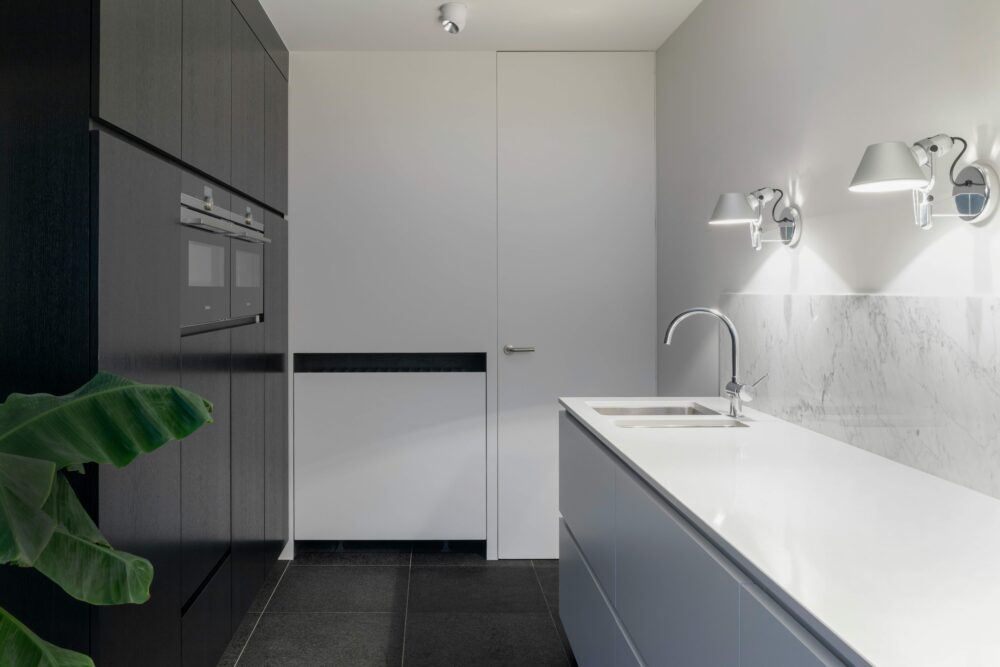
(276, 385)
(248, 554)
(207, 625)
(207, 86)
(138, 69)
(105, 104)
(276, 138)
(249, 61)
(205, 492)
(138, 507)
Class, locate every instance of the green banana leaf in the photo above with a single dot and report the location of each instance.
(25, 529)
(80, 560)
(108, 420)
(21, 646)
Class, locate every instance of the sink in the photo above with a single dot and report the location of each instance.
(722, 422)
(686, 409)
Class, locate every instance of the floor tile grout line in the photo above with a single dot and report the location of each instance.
(406, 609)
(261, 614)
(552, 617)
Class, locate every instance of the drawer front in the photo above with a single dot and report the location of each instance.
(769, 637)
(589, 623)
(205, 626)
(678, 602)
(587, 497)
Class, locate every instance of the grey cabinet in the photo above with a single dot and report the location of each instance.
(587, 497)
(205, 493)
(276, 385)
(671, 597)
(247, 447)
(769, 637)
(678, 601)
(207, 86)
(585, 616)
(249, 60)
(275, 138)
(138, 67)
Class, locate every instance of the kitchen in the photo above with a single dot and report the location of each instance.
(422, 261)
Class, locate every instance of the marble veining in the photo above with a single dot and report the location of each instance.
(915, 379)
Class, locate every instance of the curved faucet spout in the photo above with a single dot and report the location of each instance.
(733, 388)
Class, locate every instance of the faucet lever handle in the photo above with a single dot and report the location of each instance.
(746, 391)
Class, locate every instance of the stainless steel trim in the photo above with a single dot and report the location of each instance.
(514, 349)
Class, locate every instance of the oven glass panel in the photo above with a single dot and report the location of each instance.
(206, 265)
(248, 270)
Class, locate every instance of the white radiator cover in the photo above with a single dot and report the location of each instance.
(390, 456)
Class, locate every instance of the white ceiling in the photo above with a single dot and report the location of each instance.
(493, 25)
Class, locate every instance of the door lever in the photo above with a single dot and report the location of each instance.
(514, 349)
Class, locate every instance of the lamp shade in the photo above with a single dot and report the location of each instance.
(733, 208)
(888, 167)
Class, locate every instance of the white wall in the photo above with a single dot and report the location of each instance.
(392, 177)
(789, 93)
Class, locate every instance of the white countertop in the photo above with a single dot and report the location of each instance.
(902, 566)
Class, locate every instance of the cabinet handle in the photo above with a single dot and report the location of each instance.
(514, 349)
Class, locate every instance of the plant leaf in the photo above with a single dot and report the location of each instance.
(65, 509)
(95, 573)
(108, 420)
(20, 646)
(25, 531)
(29, 479)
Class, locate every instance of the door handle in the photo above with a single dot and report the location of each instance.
(514, 349)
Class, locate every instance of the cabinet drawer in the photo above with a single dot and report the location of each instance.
(587, 497)
(206, 625)
(589, 623)
(678, 601)
(769, 637)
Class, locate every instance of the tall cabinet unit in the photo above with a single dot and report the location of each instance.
(119, 108)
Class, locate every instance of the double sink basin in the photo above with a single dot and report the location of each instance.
(679, 414)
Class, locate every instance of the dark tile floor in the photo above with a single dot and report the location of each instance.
(362, 604)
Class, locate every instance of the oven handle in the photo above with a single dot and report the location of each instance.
(251, 238)
(207, 224)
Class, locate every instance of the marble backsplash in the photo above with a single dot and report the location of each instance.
(915, 379)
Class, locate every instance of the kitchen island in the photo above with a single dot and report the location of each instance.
(763, 543)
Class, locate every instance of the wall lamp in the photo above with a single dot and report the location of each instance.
(736, 208)
(893, 166)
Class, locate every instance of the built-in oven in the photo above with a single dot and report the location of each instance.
(222, 262)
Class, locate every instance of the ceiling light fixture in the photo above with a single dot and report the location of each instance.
(736, 208)
(453, 17)
(893, 166)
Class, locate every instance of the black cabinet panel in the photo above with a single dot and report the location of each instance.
(249, 60)
(248, 554)
(276, 138)
(138, 63)
(137, 307)
(205, 493)
(206, 624)
(207, 100)
(268, 36)
(276, 384)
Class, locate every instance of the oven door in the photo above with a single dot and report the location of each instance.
(247, 277)
(204, 276)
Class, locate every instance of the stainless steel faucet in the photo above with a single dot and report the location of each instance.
(735, 390)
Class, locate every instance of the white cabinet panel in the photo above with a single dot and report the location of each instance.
(390, 456)
(585, 615)
(587, 498)
(769, 637)
(678, 602)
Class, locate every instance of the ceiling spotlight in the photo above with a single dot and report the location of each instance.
(453, 16)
